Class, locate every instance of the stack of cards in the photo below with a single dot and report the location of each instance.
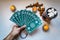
(28, 18)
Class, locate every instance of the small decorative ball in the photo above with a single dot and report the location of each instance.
(34, 9)
(12, 8)
(45, 27)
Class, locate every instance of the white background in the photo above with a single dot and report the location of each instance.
(6, 24)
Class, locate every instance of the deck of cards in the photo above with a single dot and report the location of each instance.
(28, 18)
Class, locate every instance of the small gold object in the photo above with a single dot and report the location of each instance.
(12, 8)
(45, 27)
(34, 9)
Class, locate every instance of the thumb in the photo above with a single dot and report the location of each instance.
(23, 27)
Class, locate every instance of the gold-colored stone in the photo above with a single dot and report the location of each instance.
(12, 8)
(34, 9)
(46, 27)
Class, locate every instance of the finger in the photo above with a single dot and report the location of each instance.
(23, 27)
(15, 25)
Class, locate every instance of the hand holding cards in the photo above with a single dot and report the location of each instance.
(28, 18)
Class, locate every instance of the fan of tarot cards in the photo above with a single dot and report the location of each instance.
(28, 18)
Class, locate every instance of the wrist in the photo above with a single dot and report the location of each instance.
(12, 34)
(9, 37)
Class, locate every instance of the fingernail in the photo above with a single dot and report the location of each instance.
(24, 25)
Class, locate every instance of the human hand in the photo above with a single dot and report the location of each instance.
(17, 30)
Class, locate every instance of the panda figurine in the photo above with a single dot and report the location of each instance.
(51, 12)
